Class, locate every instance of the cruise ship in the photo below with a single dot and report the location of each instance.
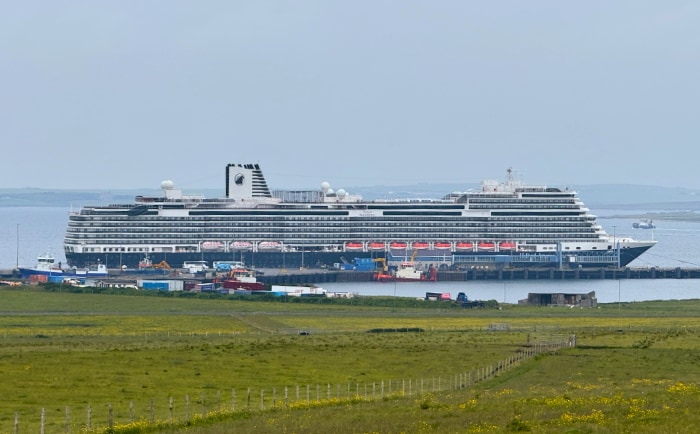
(502, 224)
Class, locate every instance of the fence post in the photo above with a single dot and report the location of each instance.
(170, 406)
(153, 413)
(233, 400)
(328, 397)
(67, 420)
(247, 400)
(218, 401)
(262, 399)
(286, 397)
(274, 397)
(131, 411)
(110, 421)
(43, 420)
(16, 422)
(308, 395)
(88, 423)
(187, 407)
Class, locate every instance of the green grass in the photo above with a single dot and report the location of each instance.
(635, 368)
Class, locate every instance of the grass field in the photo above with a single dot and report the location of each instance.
(210, 365)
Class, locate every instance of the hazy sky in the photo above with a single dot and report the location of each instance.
(124, 94)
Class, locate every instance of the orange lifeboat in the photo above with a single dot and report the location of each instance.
(398, 245)
(374, 245)
(353, 246)
(420, 245)
(212, 245)
(464, 245)
(241, 245)
(269, 245)
(443, 245)
(487, 245)
(506, 245)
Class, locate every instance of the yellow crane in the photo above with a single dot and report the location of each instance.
(162, 264)
(383, 262)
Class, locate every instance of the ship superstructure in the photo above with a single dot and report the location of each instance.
(505, 224)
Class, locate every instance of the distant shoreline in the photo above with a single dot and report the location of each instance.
(686, 216)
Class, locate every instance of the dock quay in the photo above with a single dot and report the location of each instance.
(319, 276)
(290, 277)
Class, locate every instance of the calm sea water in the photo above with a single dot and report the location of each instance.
(27, 232)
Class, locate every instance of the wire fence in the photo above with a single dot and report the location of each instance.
(129, 416)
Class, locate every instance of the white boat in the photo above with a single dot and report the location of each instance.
(644, 224)
(46, 266)
(99, 270)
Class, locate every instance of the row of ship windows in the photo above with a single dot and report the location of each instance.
(325, 234)
(320, 219)
(185, 239)
(537, 207)
(518, 200)
(502, 229)
(337, 226)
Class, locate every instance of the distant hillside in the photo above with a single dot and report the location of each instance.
(617, 196)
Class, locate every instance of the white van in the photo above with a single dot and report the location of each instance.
(194, 267)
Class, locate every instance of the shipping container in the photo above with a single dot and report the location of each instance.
(160, 285)
(204, 287)
(55, 279)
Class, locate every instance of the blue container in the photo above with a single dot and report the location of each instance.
(156, 285)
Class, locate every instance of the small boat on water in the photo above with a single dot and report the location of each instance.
(644, 224)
